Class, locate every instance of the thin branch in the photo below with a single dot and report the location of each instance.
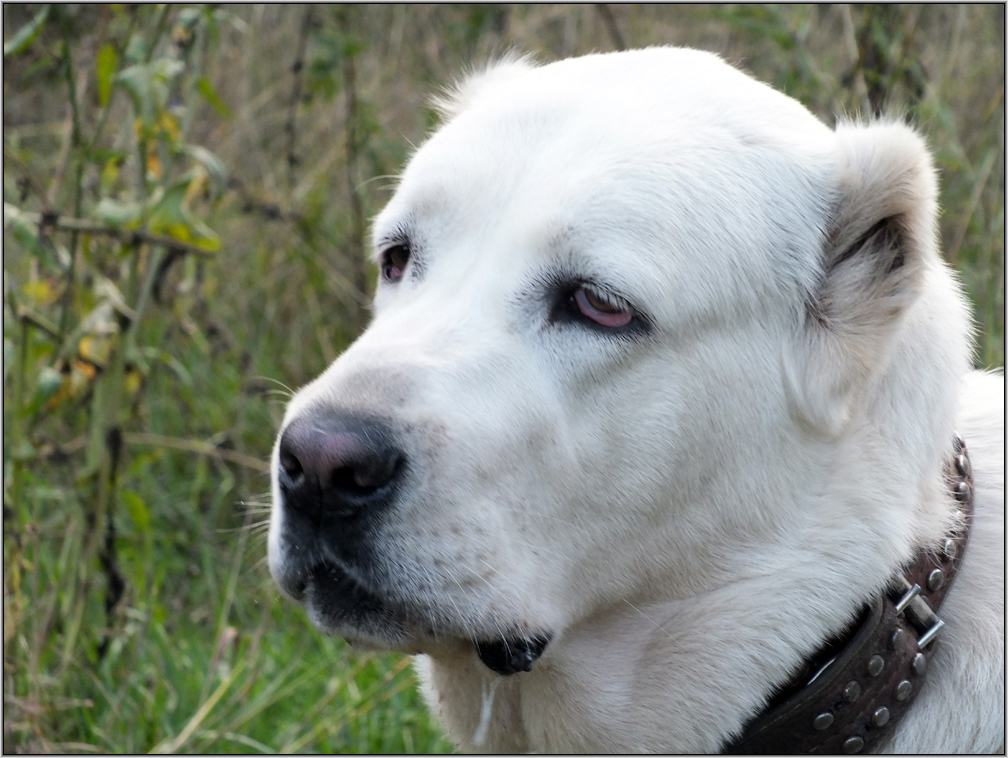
(978, 187)
(132, 236)
(39, 322)
(856, 74)
(199, 447)
(29, 179)
(297, 68)
(610, 23)
(353, 150)
(264, 208)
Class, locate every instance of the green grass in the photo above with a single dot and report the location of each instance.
(138, 613)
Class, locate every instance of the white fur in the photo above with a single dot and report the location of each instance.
(692, 511)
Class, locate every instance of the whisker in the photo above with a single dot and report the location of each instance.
(656, 625)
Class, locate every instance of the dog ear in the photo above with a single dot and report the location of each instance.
(880, 238)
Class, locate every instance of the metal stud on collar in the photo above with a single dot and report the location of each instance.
(903, 690)
(853, 745)
(852, 691)
(949, 550)
(880, 717)
(935, 579)
(875, 665)
(822, 721)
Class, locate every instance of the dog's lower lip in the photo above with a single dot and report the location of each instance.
(511, 656)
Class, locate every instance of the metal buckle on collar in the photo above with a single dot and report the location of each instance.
(917, 611)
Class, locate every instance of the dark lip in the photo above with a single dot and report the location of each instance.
(340, 605)
(331, 582)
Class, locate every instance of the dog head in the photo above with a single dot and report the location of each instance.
(629, 305)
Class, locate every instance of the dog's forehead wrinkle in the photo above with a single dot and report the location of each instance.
(662, 249)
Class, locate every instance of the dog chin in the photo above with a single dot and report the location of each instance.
(339, 605)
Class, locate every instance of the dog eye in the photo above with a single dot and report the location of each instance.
(602, 308)
(393, 262)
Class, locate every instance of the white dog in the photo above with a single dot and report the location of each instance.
(660, 393)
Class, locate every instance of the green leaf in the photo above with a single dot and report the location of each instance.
(27, 34)
(210, 95)
(121, 213)
(25, 233)
(147, 85)
(188, 17)
(215, 166)
(170, 217)
(49, 382)
(108, 64)
(136, 48)
(136, 509)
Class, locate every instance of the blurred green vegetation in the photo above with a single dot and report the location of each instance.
(186, 196)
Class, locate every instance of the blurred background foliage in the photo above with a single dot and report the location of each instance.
(186, 198)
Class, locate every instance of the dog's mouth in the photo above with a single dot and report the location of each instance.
(340, 604)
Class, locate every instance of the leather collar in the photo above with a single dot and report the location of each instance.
(854, 689)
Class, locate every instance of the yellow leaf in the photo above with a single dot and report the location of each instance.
(81, 374)
(133, 381)
(168, 124)
(40, 292)
(110, 173)
(66, 390)
(197, 187)
(95, 349)
(153, 167)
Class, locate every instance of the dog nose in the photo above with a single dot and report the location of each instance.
(338, 466)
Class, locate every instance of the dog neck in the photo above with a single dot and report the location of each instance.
(854, 689)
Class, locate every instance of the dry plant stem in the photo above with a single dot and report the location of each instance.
(251, 653)
(978, 188)
(297, 68)
(353, 147)
(110, 429)
(229, 594)
(321, 331)
(132, 237)
(105, 442)
(199, 447)
(611, 26)
(27, 177)
(75, 92)
(72, 131)
(26, 517)
(331, 726)
(275, 691)
(197, 68)
(201, 714)
(850, 38)
(158, 31)
(103, 119)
